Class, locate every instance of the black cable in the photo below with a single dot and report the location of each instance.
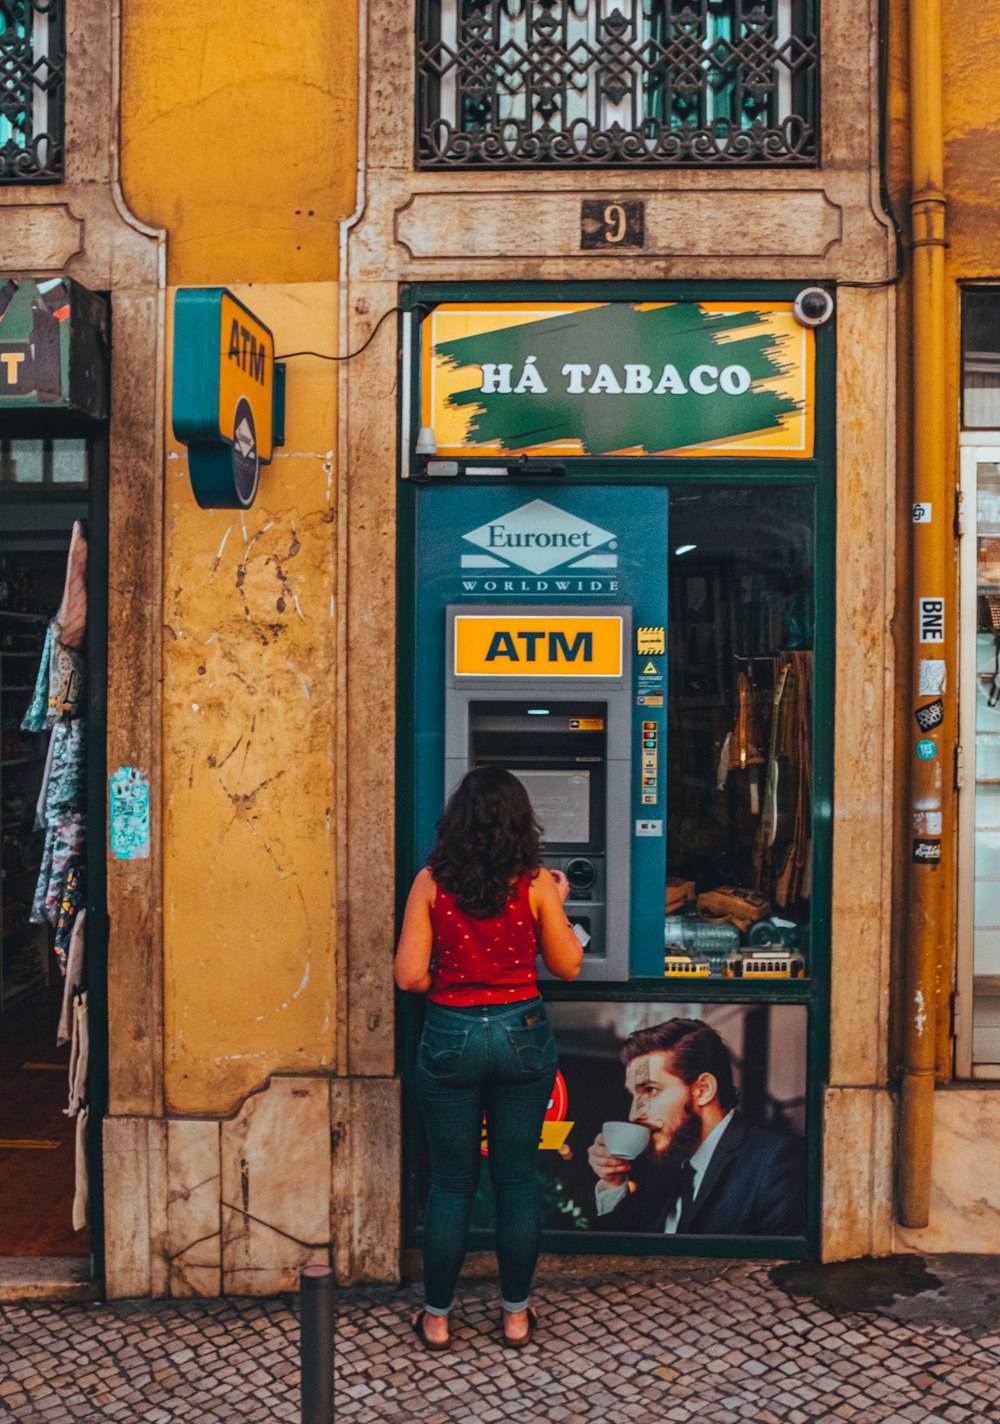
(322, 356)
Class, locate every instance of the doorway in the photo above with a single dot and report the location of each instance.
(52, 659)
(978, 973)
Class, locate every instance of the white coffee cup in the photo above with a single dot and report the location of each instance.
(625, 1139)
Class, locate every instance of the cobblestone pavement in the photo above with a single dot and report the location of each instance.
(678, 1341)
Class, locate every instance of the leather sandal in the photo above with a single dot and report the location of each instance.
(518, 1342)
(418, 1326)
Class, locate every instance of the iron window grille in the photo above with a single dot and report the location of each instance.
(32, 73)
(616, 83)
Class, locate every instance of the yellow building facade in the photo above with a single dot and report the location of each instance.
(251, 1108)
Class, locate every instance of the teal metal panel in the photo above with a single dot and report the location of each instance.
(197, 363)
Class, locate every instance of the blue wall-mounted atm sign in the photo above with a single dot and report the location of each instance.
(228, 395)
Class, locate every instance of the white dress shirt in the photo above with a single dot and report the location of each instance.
(609, 1197)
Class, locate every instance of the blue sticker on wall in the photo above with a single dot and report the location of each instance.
(128, 808)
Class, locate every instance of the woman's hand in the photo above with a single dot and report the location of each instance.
(562, 884)
(562, 952)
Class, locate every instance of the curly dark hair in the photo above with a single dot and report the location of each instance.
(486, 840)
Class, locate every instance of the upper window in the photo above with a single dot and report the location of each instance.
(32, 69)
(981, 359)
(616, 83)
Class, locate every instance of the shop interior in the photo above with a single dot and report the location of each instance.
(43, 793)
(740, 723)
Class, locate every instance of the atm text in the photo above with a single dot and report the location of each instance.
(559, 646)
(244, 350)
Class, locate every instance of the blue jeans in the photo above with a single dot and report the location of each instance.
(471, 1062)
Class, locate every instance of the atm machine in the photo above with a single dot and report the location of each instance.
(548, 695)
(539, 643)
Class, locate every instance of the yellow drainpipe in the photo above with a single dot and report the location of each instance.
(931, 807)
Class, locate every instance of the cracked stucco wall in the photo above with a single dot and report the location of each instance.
(249, 659)
(239, 139)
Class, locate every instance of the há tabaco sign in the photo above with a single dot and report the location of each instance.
(618, 379)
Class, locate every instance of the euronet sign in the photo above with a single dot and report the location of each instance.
(538, 536)
(618, 379)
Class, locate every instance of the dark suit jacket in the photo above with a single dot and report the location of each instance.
(754, 1186)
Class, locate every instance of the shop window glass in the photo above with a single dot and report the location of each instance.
(43, 462)
(983, 1056)
(981, 360)
(740, 734)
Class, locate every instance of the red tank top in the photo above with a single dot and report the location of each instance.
(488, 961)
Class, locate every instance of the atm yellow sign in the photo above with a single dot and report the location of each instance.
(246, 372)
(519, 646)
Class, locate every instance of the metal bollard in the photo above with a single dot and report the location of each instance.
(316, 1343)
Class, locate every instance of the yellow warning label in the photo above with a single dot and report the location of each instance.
(526, 646)
(650, 668)
(650, 640)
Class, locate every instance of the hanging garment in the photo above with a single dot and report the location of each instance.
(81, 1186)
(64, 794)
(59, 685)
(71, 620)
(65, 831)
(65, 682)
(63, 851)
(70, 905)
(36, 717)
(79, 1057)
(66, 791)
(43, 790)
(74, 977)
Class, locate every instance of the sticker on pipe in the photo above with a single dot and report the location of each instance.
(933, 677)
(932, 620)
(930, 715)
(926, 852)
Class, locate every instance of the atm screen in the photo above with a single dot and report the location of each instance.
(561, 801)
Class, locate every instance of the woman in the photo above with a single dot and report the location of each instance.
(475, 919)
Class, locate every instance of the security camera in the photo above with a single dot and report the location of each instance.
(813, 306)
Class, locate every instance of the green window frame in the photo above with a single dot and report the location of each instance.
(815, 476)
